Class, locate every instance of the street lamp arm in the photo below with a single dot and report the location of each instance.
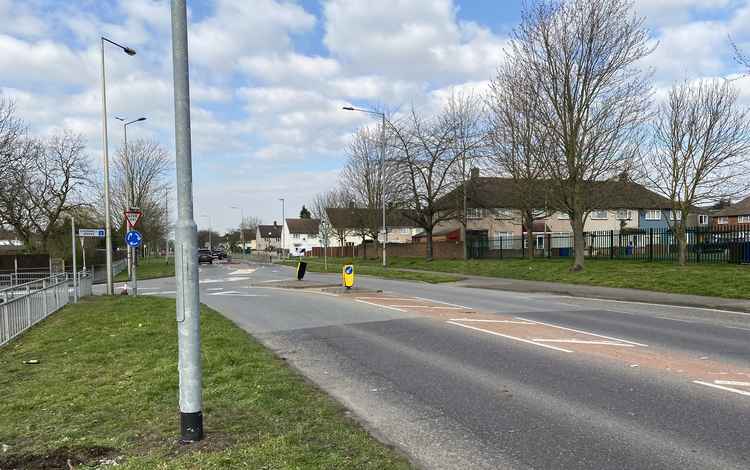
(368, 111)
(125, 49)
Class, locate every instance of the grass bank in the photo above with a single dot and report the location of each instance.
(150, 268)
(105, 389)
(718, 280)
(372, 268)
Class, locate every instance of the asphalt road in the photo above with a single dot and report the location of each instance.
(472, 378)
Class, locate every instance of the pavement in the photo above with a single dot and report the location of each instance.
(458, 376)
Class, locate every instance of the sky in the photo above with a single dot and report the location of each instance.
(269, 77)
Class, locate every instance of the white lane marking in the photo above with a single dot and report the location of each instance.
(166, 292)
(721, 387)
(235, 279)
(732, 382)
(655, 305)
(581, 341)
(209, 281)
(240, 272)
(228, 292)
(379, 305)
(426, 306)
(383, 298)
(441, 302)
(276, 280)
(585, 332)
(480, 320)
(509, 337)
(214, 289)
(148, 288)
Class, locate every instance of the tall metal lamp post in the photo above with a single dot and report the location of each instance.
(382, 169)
(107, 215)
(242, 231)
(283, 221)
(129, 195)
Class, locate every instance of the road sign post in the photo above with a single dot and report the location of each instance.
(134, 239)
(347, 275)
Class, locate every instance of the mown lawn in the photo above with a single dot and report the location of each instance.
(150, 268)
(372, 268)
(105, 388)
(718, 280)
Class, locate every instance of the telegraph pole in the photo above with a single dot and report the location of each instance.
(186, 241)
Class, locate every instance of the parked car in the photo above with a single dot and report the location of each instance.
(219, 254)
(205, 256)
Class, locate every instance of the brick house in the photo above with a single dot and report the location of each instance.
(735, 214)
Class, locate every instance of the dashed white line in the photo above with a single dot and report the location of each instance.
(722, 387)
(444, 307)
(581, 341)
(441, 302)
(732, 382)
(480, 320)
(653, 304)
(541, 345)
(166, 292)
(379, 305)
(585, 332)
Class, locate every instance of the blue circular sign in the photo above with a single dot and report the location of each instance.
(349, 269)
(134, 238)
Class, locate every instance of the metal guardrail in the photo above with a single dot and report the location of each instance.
(24, 305)
(16, 278)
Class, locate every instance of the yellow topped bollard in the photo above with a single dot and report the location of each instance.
(347, 276)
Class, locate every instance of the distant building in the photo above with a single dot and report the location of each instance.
(735, 214)
(301, 233)
(268, 237)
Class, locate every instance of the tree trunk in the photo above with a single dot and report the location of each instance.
(529, 222)
(428, 256)
(579, 243)
(682, 244)
(364, 248)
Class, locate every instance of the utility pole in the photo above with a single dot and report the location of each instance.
(186, 241)
(166, 225)
(283, 221)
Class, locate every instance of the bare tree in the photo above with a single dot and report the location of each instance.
(520, 145)
(12, 131)
(425, 158)
(581, 56)
(466, 114)
(45, 181)
(333, 199)
(148, 165)
(701, 139)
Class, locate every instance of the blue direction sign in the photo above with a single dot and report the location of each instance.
(134, 238)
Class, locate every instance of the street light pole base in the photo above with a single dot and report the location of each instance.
(191, 425)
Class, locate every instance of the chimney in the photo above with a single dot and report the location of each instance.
(274, 223)
(474, 173)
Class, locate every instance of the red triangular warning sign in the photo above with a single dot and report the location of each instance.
(133, 217)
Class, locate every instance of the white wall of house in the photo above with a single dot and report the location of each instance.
(290, 240)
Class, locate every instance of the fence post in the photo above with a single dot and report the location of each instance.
(44, 289)
(28, 305)
(651, 244)
(611, 244)
(549, 246)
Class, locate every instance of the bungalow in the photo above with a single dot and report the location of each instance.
(351, 226)
(268, 237)
(735, 214)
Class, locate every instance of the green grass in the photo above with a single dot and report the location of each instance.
(107, 385)
(371, 268)
(718, 280)
(150, 268)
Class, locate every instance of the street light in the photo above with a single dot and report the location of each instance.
(242, 231)
(382, 169)
(283, 221)
(129, 199)
(107, 216)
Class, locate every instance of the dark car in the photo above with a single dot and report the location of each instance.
(205, 256)
(219, 254)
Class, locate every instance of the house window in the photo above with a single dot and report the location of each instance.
(501, 240)
(623, 214)
(474, 213)
(743, 219)
(503, 213)
(295, 235)
(723, 221)
(653, 215)
(538, 213)
(702, 219)
(405, 231)
(563, 216)
(599, 215)
(540, 242)
(676, 216)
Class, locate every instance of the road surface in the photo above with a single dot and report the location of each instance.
(471, 378)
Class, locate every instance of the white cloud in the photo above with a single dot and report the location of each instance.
(418, 40)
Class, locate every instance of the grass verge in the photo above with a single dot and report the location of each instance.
(717, 280)
(150, 268)
(106, 389)
(373, 269)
